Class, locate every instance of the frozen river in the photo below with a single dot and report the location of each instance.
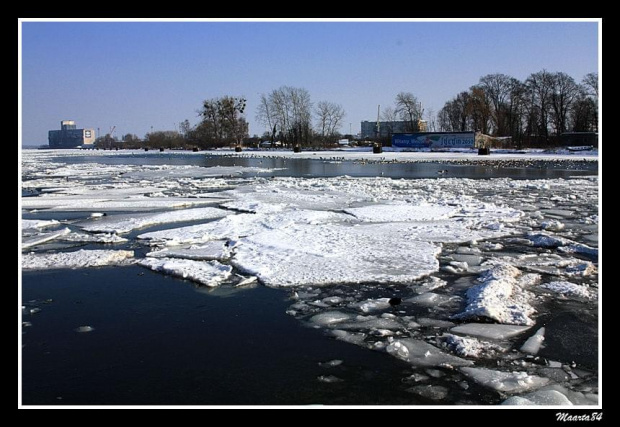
(155, 278)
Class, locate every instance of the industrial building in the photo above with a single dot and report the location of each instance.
(70, 137)
(387, 128)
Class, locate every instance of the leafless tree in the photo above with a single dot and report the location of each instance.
(563, 94)
(329, 118)
(409, 109)
(389, 116)
(289, 110)
(540, 88)
(590, 81)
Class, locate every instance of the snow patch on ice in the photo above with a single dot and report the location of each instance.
(79, 259)
(469, 347)
(214, 250)
(404, 213)
(208, 273)
(38, 239)
(38, 223)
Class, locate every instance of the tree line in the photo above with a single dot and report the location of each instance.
(288, 112)
(534, 112)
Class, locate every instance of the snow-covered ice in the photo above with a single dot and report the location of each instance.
(207, 273)
(469, 347)
(38, 239)
(510, 382)
(567, 288)
(127, 223)
(213, 250)
(38, 223)
(399, 212)
(499, 298)
(79, 259)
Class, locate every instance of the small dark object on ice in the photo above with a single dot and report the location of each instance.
(395, 301)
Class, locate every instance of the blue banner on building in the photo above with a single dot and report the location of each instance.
(434, 140)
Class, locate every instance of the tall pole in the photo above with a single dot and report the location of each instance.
(378, 122)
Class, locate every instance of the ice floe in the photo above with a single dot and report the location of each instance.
(469, 347)
(397, 213)
(213, 250)
(510, 382)
(533, 343)
(540, 397)
(568, 288)
(38, 223)
(489, 330)
(127, 223)
(499, 298)
(38, 239)
(421, 353)
(79, 259)
(207, 273)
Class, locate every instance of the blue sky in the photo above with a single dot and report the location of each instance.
(138, 75)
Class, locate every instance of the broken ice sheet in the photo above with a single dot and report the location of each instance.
(127, 223)
(78, 259)
(214, 250)
(208, 273)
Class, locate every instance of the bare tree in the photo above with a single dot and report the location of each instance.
(409, 109)
(563, 94)
(590, 81)
(222, 120)
(329, 118)
(540, 87)
(498, 89)
(389, 116)
(289, 110)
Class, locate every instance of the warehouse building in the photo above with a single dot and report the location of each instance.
(70, 137)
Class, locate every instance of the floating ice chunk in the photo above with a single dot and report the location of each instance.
(329, 379)
(511, 382)
(568, 288)
(545, 240)
(329, 318)
(208, 273)
(305, 254)
(533, 343)
(401, 213)
(469, 347)
(552, 225)
(528, 280)
(93, 238)
(125, 223)
(41, 238)
(489, 246)
(429, 391)
(330, 363)
(431, 299)
(581, 249)
(420, 353)
(38, 223)
(79, 259)
(582, 269)
(430, 284)
(499, 298)
(83, 329)
(246, 281)
(576, 397)
(540, 397)
(371, 323)
(492, 331)
(434, 323)
(213, 250)
(372, 305)
(357, 338)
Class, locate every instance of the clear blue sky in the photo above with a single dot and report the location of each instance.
(134, 75)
